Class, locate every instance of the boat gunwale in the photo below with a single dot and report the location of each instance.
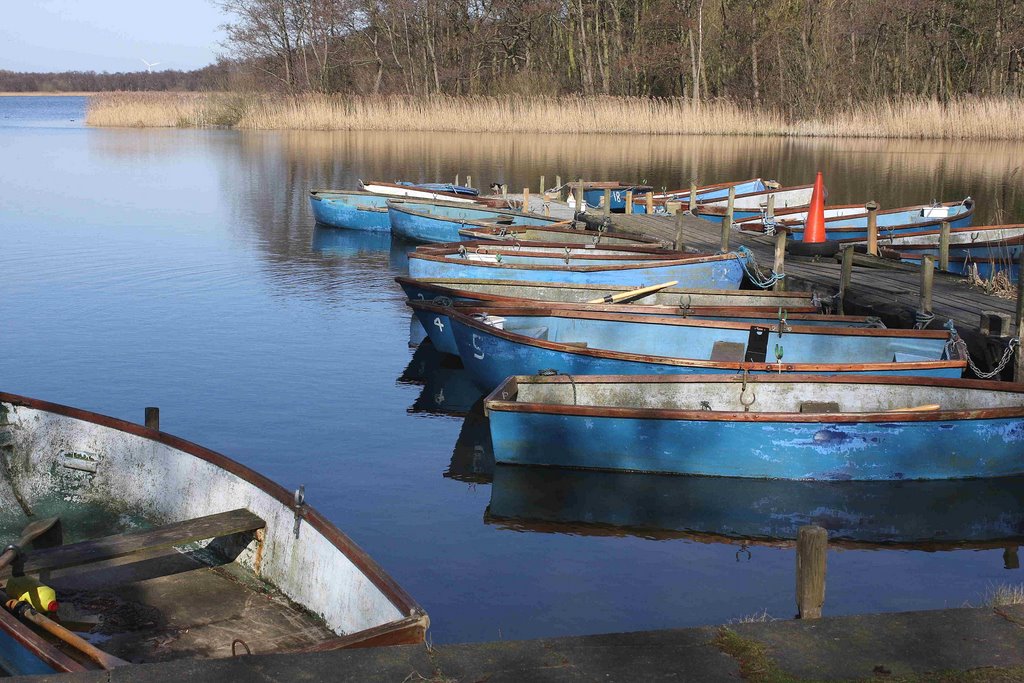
(613, 234)
(633, 309)
(708, 208)
(452, 197)
(441, 256)
(503, 399)
(440, 282)
(394, 205)
(387, 585)
(672, 195)
(793, 226)
(515, 338)
(544, 311)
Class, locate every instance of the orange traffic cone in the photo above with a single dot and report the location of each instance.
(813, 242)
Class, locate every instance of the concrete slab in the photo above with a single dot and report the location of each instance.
(864, 646)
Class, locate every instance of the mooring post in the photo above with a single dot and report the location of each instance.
(629, 202)
(558, 187)
(469, 181)
(811, 551)
(1018, 366)
(780, 261)
(579, 194)
(456, 179)
(543, 190)
(607, 201)
(770, 210)
(650, 202)
(678, 244)
(927, 280)
(845, 276)
(872, 208)
(730, 207)
(153, 418)
(1011, 560)
(526, 199)
(693, 194)
(726, 229)
(944, 246)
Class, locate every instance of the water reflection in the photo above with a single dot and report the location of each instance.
(447, 387)
(473, 456)
(931, 515)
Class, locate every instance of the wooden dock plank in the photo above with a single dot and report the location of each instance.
(870, 287)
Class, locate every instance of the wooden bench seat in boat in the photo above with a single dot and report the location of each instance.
(131, 542)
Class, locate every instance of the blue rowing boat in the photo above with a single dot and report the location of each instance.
(593, 194)
(754, 204)
(421, 221)
(548, 235)
(556, 294)
(771, 426)
(353, 210)
(579, 343)
(433, 315)
(849, 223)
(718, 271)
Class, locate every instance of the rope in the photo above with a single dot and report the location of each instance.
(551, 372)
(922, 319)
(754, 274)
(956, 345)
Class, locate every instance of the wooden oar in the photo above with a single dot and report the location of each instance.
(633, 294)
(916, 409)
(24, 611)
(42, 533)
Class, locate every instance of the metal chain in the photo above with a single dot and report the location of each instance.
(957, 345)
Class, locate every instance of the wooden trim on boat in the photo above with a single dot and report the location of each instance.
(407, 631)
(587, 250)
(765, 312)
(671, 195)
(440, 257)
(510, 231)
(754, 224)
(451, 284)
(496, 400)
(366, 564)
(703, 206)
(396, 204)
(970, 228)
(543, 310)
(738, 366)
(44, 650)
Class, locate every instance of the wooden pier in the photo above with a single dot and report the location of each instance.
(890, 290)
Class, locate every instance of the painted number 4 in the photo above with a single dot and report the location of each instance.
(438, 324)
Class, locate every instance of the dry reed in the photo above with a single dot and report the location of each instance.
(975, 119)
(1003, 595)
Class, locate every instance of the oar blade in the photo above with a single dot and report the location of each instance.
(42, 533)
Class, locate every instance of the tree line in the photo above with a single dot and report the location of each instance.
(213, 77)
(795, 56)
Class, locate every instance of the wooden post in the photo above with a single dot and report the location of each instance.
(927, 279)
(607, 201)
(845, 276)
(730, 207)
(558, 184)
(650, 202)
(678, 244)
(629, 201)
(811, 557)
(579, 194)
(526, 199)
(469, 181)
(542, 188)
(726, 229)
(693, 195)
(153, 418)
(770, 211)
(1011, 560)
(872, 208)
(780, 260)
(1018, 367)
(456, 178)
(944, 246)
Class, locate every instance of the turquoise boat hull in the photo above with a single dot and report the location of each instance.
(709, 273)
(632, 429)
(530, 344)
(436, 222)
(350, 210)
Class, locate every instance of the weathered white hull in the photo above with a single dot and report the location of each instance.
(413, 193)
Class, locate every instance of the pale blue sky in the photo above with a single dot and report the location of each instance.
(108, 35)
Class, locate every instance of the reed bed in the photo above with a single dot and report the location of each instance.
(975, 119)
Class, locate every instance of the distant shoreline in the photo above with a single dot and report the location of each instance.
(47, 94)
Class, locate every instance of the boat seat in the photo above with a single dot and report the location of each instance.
(819, 407)
(112, 547)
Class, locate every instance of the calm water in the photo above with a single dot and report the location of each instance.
(182, 269)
